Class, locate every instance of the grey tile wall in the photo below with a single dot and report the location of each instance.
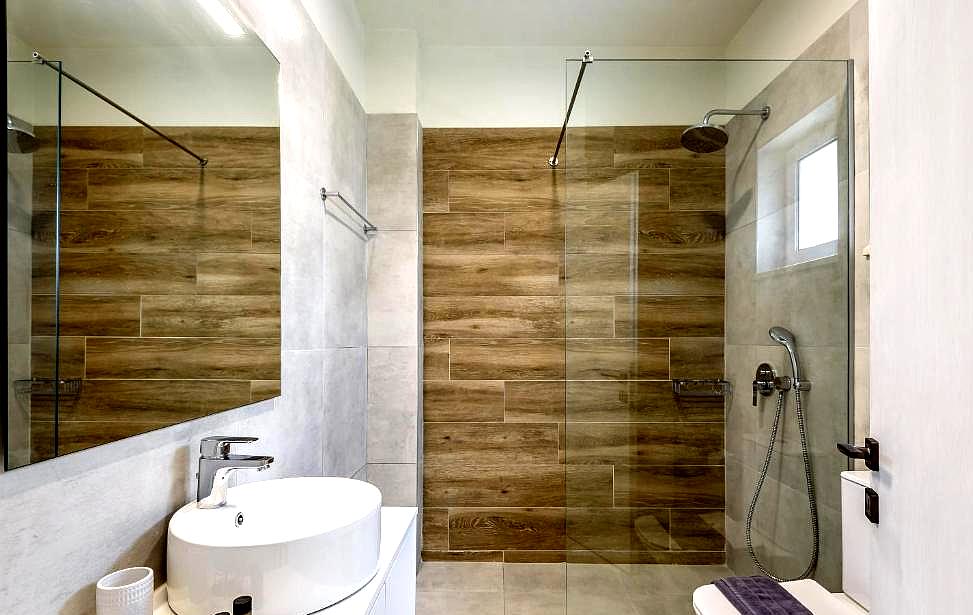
(810, 299)
(128, 489)
(394, 178)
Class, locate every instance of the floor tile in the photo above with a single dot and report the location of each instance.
(460, 577)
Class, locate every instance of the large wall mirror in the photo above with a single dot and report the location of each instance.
(143, 288)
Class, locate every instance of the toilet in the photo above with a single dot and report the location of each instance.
(856, 536)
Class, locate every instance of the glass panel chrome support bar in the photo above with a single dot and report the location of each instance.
(586, 59)
(39, 59)
(369, 228)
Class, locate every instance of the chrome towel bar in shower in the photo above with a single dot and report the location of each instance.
(369, 228)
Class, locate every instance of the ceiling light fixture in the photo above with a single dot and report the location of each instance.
(223, 17)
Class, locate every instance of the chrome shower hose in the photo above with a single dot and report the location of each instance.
(809, 478)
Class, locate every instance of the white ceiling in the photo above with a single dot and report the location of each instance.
(651, 23)
(48, 24)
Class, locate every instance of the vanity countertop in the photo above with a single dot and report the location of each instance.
(396, 522)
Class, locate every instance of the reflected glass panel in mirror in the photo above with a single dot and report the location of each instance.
(151, 295)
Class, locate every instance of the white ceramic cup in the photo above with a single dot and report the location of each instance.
(125, 592)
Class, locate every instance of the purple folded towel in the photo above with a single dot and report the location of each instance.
(760, 596)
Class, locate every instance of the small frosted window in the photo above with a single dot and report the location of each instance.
(817, 197)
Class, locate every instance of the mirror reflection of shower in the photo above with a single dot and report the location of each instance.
(706, 138)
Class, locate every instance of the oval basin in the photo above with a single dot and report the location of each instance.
(296, 545)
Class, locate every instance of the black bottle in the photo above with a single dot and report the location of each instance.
(243, 605)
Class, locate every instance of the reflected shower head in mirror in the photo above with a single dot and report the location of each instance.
(20, 136)
(706, 138)
(786, 339)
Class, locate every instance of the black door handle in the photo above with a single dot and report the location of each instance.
(869, 452)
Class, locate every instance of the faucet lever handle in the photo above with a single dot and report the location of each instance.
(219, 446)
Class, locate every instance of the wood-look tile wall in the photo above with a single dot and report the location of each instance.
(170, 279)
(558, 306)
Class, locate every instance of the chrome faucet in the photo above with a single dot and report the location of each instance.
(216, 464)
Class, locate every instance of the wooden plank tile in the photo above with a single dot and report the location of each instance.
(676, 316)
(648, 147)
(506, 359)
(435, 359)
(514, 556)
(487, 148)
(154, 401)
(653, 189)
(490, 444)
(504, 486)
(605, 401)
(698, 530)
(462, 401)
(696, 357)
(211, 316)
(117, 274)
(238, 274)
(435, 192)
(264, 389)
(533, 317)
(162, 232)
(462, 556)
(73, 437)
(637, 402)
(535, 401)
(603, 232)
(435, 529)
(623, 529)
(453, 233)
(504, 191)
(617, 359)
(677, 231)
(677, 443)
(697, 189)
(645, 443)
(669, 486)
(219, 189)
(534, 232)
(74, 189)
(587, 147)
(190, 358)
(598, 274)
(685, 273)
(506, 528)
(490, 275)
(86, 147)
(628, 557)
(86, 315)
(265, 230)
(224, 146)
(70, 361)
(589, 485)
(590, 316)
(654, 402)
(601, 190)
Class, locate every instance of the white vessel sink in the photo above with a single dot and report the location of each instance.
(296, 545)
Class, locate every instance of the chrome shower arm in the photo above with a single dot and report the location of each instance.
(763, 112)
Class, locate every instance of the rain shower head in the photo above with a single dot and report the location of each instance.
(706, 138)
(20, 136)
(786, 339)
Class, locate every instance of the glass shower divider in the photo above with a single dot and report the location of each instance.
(33, 205)
(675, 265)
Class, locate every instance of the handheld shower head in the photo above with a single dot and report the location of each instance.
(786, 339)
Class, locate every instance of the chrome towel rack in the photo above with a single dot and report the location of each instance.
(369, 228)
